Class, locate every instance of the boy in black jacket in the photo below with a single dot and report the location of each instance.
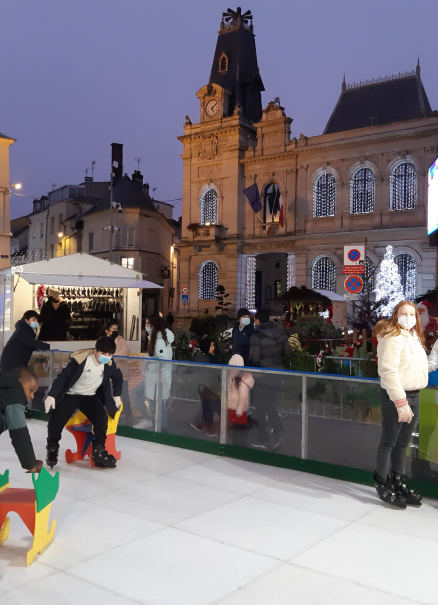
(19, 348)
(85, 385)
(15, 391)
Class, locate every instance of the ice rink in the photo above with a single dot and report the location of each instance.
(173, 526)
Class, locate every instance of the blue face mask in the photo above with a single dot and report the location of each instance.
(34, 325)
(245, 321)
(104, 359)
(148, 330)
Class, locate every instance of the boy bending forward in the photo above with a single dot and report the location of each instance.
(85, 385)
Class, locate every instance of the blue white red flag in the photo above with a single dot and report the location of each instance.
(253, 196)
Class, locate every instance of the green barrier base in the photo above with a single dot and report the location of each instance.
(344, 473)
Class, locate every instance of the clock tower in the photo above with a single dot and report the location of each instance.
(214, 207)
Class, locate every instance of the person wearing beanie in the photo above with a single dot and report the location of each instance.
(209, 390)
(19, 348)
(242, 332)
(54, 317)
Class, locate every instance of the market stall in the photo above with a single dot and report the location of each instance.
(94, 289)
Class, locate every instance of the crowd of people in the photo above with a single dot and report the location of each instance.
(96, 384)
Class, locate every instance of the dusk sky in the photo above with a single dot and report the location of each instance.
(79, 75)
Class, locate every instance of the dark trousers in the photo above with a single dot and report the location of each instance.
(209, 407)
(264, 398)
(90, 405)
(391, 453)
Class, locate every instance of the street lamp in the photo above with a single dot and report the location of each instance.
(60, 234)
(16, 185)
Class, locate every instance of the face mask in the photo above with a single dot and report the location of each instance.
(245, 321)
(34, 324)
(148, 330)
(407, 321)
(104, 359)
(114, 334)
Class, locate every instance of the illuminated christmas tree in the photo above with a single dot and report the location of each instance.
(388, 284)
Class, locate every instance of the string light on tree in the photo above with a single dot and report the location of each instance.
(388, 283)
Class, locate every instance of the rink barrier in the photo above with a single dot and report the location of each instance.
(222, 448)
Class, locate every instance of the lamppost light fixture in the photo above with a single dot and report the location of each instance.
(16, 185)
(60, 234)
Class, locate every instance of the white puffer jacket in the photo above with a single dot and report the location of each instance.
(433, 358)
(402, 364)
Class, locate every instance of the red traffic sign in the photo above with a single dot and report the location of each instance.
(353, 284)
(353, 255)
(184, 290)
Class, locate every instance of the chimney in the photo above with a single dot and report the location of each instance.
(137, 177)
(117, 160)
(146, 189)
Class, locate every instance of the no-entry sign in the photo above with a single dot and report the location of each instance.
(353, 284)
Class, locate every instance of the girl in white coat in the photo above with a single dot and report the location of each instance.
(403, 371)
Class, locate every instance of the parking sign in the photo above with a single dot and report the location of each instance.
(354, 259)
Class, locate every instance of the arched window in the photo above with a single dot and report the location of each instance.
(403, 187)
(324, 195)
(369, 273)
(208, 207)
(207, 281)
(362, 191)
(223, 63)
(407, 267)
(324, 274)
(271, 203)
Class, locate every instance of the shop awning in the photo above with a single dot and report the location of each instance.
(82, 270)
(332, 295)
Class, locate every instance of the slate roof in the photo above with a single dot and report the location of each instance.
(129, 194)
(388, 101)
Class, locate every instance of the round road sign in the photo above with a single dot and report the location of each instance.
(354, 255)
(184, 290)
(353, 284)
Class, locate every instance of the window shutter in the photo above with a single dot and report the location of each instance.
(131, 237)
(137, 263)
(124, 237)
(90, 241)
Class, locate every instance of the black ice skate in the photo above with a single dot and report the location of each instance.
(52, 456)
(388, 493)
(411, 496)
(101, 457)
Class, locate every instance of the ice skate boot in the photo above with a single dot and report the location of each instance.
(387, 492)
(52, 455)
(411, 496)
(101, 457)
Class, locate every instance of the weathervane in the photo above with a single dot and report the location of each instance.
(236, 16)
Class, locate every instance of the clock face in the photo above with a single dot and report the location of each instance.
(212, 108)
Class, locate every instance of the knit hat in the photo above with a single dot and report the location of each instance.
(241, 312)
(205, 344)
(236, 360)
(53, 292)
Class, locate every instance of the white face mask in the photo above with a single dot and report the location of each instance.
(407, 321)
(245, 321)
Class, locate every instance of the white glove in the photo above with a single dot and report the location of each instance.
(405, 414)
(49, 404)
(118, 401)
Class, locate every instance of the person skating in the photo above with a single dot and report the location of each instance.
(268, 346)
(403, 371)
(85, 385)
(208, 389)
(55, 317)
(16, 389)
(19, 348)
(242, 332)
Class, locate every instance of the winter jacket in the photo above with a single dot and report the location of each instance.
(402, 364)
(55, 322)
(12, 418)
(241, 340)
(150, 370)
(211, 379)
(268, 345)
(73, 371)
(432, 360)
(19, 348)
(238, 395)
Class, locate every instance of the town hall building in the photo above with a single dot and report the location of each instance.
(362, 181)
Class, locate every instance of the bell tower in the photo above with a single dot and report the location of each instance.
(214, 208)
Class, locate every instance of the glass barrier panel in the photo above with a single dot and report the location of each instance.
(47, 366)
(273, 422)
(343, 421)
(423, 450)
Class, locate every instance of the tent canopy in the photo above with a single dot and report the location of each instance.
(81, 270)
(332, 295)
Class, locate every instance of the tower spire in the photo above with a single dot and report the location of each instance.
(418, 67)
(344, 85)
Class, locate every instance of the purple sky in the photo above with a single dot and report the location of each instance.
(79, 75)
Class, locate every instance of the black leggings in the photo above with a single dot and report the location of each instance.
(90, 405)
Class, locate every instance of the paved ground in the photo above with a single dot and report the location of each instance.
(175, 527)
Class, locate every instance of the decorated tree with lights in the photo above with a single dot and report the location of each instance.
(388, 284)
